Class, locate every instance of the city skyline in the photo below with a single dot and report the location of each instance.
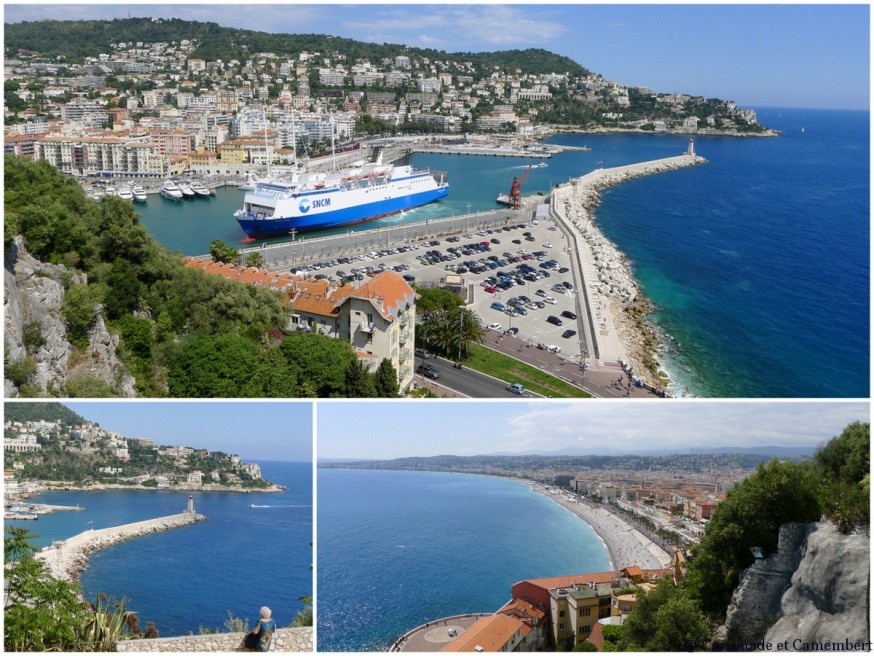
(361, 431)
(254, 430)
(758, 55)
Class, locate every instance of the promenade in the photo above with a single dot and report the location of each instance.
(65, 559)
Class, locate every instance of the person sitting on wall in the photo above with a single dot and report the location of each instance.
(261, 636)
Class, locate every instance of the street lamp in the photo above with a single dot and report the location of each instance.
(292, 232)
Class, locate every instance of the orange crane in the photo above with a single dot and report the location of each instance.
(516, 190)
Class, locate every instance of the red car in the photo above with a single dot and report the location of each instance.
(491, 290)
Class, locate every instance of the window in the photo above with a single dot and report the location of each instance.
(561, 613)
(585, 629)
(561, 627)
(585, 612)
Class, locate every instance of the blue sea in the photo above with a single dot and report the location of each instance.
(397, 549)
(242, 558)
(757, 263)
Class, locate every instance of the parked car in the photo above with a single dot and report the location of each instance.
(567, 314)
(553, 349)
(500, 307)
(494, 326)
(559, 288)
(554, 320)
(423, 353)
(516, 388)
(568, 333)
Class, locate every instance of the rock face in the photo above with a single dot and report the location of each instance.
(828, 598)
(814, 589)
(34, 295)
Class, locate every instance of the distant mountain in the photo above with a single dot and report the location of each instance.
(784, 452)
(51, 411)
(516, 464)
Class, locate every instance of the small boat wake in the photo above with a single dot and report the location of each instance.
(252, 505)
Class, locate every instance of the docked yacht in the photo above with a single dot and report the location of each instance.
(199, 188)
(125, 193)
(170, 191)
(186, 190)
(139, 194)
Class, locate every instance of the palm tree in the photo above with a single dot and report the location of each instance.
(453, 332)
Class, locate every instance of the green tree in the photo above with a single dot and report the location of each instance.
(664, 619)
(750, 516)
(80, 309)
(254, 259)
(386, 380)
(221, 252)
(359, 382)
(320, 361)
(212, 366)
(844, 465)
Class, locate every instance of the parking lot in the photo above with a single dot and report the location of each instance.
(520, 272)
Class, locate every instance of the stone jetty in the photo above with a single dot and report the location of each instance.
(617, 312)
(298, 640)
(65, 559)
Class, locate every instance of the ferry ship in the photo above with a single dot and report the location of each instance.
(313, 201)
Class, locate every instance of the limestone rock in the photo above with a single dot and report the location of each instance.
(828, 597)
(34, 295)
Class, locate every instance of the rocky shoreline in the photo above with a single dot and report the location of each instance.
(629, 308)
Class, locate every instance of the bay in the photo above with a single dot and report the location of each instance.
(240, 559)
(397, 549)
(757, 263)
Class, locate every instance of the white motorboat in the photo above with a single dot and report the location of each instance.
(199, 188)
(139, 194)
(185, 189)
(170, 191)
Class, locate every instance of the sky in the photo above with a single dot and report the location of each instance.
(395, 430)
(775, 55)
(254, 430)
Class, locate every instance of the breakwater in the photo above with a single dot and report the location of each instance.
(285, 640)
(65, 559)
(615, 308)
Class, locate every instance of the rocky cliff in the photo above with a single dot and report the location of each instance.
(36, 332)
(813, 590)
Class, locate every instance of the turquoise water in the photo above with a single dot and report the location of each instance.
(757, 262)
(397, 549)
(242, 558)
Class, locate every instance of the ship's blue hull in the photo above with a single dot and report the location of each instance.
(261, 228)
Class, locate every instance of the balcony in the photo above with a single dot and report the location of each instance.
(366, 327)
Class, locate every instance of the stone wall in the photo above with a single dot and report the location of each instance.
(295, 640)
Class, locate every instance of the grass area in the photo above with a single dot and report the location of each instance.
(503, 367)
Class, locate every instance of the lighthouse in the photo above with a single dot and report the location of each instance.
(190, 509)
(691, 149)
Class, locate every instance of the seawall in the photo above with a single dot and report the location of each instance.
(65, 559)
(296, 640)
(616, 326)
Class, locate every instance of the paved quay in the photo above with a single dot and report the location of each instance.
(65, 559)
(433, 636)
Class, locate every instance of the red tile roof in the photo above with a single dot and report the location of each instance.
(490, 633)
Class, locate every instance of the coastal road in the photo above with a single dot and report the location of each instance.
(468, 382)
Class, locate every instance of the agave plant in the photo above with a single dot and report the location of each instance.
(105, 628)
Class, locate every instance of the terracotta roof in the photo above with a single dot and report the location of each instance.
(490, 633)
(632, 571)
(552, 582)
(596, 637)
(388, 292)
(523, 609)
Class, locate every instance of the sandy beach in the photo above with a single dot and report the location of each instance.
(621, 331)
(627, 546)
